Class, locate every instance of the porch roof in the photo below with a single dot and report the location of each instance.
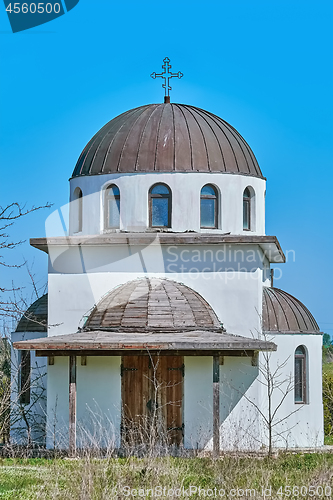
(102, 341)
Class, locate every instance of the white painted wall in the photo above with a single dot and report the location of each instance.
(236, 300)
(240, 429)
(304, 426)
(185, 189)
(98, 402)
(241, 394)
(198, 401)
(36, 410)
(229, 277)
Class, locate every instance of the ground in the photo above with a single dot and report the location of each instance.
(289, 475)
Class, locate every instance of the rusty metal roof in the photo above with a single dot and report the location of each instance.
(153, 305)
(283, 313)
(35, 317)
(167, 138)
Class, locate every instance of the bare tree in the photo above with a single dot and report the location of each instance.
(4, 389)
(13, 305)
(277, 386)
(28, 416)
(9, 306)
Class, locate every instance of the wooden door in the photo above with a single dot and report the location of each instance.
(152, 396)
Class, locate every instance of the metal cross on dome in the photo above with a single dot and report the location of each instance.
(166, 75)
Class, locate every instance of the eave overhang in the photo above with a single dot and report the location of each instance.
(107, 342)
(269, 244)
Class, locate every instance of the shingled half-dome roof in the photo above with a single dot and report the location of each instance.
(35, 317)
(283, 313)
(167, 138)
(153, 304)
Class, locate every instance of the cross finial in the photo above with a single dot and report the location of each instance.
(166, 75)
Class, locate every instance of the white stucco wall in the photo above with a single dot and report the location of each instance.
(36, 409)
(198, 401)
(304, 425)
(236, 301)
(241, 393)
(98, 402)
(240, 426)
(185, 189)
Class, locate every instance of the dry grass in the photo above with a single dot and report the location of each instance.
(89, 478)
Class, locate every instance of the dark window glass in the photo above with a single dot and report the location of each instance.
(208, 190)
(112, 207)
(78, 210)
(24, 386)
(160, 206)
(300, 375)
(208, 207)
(247, 209)
(160, 189)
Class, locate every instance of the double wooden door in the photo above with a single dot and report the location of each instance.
(152, 399)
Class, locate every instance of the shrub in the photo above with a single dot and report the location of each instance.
(328, 402)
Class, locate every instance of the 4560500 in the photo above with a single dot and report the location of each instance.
(34, 8)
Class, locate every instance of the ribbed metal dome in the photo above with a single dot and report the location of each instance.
(283, 313)
(152, 305)
(167, 138)
(35, 317)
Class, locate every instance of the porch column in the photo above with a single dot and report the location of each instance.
(216, 406)
(72, 405)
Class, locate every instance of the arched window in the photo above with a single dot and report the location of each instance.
(24, 374)
(208, 207)
(77, 221)
(247, 210)
(300, 375)
(112, 207)
(160, 206)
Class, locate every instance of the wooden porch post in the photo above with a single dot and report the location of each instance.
(216, 406)
(72, 405)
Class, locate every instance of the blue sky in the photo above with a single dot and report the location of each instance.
(264, 66)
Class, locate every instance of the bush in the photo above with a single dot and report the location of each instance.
(328, 402)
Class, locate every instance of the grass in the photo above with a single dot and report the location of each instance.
(92, 479)
(328, 368)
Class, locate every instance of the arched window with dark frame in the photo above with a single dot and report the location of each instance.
(208, 207)
(300, 375)
(160, 204)
(112, 207)
(77, 210)
(25, 376)
(247, 210)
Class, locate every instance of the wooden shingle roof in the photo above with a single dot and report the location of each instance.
(152, 305)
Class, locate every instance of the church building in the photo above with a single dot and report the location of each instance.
(161, 324)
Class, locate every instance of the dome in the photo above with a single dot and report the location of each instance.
(35, 317)
(155, 305)
(167, 138)
(283, 313)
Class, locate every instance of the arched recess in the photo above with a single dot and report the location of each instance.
(209, 207)
(160, 206)
(301, 375)
(249, 209)
(77, 208)
(112, 207)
